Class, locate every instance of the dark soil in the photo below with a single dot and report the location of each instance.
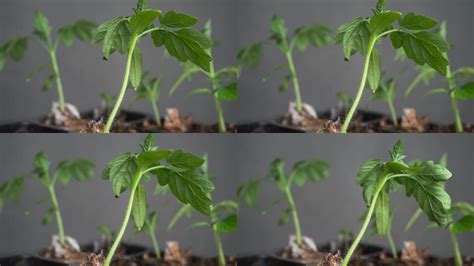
(310, 256)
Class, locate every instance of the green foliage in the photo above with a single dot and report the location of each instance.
(149, 89)
(386, 91)
(82, 30)
(107, 232)
(248, 192)
(11, 190)
(13, 49)
(250, 55)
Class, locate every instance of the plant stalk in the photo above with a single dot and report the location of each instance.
(217, 237)
(413, 219)
(57, 76)
(354, 245)
(393, 248)
(156, 113)
(457, 253)
(57, 212)
(217, 102)
(454, 103)
(112, 115)
(126, 218)
(345, 126)
(294, 78)
(294, 213)
(156, 247)
(393, 113)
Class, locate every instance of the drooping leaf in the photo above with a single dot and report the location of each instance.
(139, 208)
(152, 157)
(227, 93)
(417, 22)
(181, 45)
(11, 190)
(41, 26)
(228, 224)
(186, 210)
(318, 35)
(184, 160)
(178, 20)
(142, 20)
(114, 35)
(465, 92)
(80, 169)
(277, 173)
(379, 23)
(279, 33)
(121, 172)
(354, 36)
(248, 192)
(368, 176)
(250, 56)
(136, 68)
(314, 170)
(82, 30)
(14, 49)
(464, 72)
(198, 91)
(382, 214)
(374, 73)
(463, 225)
(41, 168)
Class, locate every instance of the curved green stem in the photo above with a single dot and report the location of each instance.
(156, 247)
(57, 76)
(294, 213)
(457, 253)
(156, 113)
(413, 219)
(393, 248)
(126, 218)
(57, 212)
(345, 126)
(112, 115)
(294, 78)
(393, 113)
(217, 237)
(354, 245)
(217, 102)
(454, 103)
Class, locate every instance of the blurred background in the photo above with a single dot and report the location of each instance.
(322, 71)
(325, 208)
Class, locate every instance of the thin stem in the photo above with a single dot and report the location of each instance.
(294, 213)
(217, 102)
(294, 78)
(457, 253)
(217, 237)
(156, 113)
(345, 126)
(57, 76)
(413, 219)
(393, 248)
(348, 256)
(57, 212)
(393, 113)
(111, 253)
(156, 247)
(454, 103)
(124, 87)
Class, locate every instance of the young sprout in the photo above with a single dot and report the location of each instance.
(317, 35)
(123, 34)
(361, 34)
(344, 99)
(223, 218)
(82, 30)
(374, 231)
(456, 88)
(423, 180)
(149, 228)
(80, 169)
(173, 168)
(107, 233)
(107, 100)
(223, 82)
(386, 92)
(313, 170)
(150, 90)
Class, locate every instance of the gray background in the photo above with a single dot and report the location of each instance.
(325, 208)
(322, 72)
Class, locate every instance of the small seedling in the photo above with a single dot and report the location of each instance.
(373, 231)
(456, 89)
(223, 218)
(107, 233)
(123, 34)
(14, 49)
(423, 180)
(386, 92)
(80, 169)
(361, 34)
(223, 82)
(149, 228)
(107, 100)
(173, 168)
(313, 170)
(317, 35)
(150, 90)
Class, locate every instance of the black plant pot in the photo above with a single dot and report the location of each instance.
(130, 249)
(27, 127)
(265, 261)
(26, 260)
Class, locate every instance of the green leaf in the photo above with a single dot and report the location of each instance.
(14, 49)
(178, 20)
(277, 173)
(106, 232)
(158, 37)
(114, 35)
(121, 173)
(189, 70)
(382, 214)
(41, 168)
(82, 30)
(48, 216)
(465, 92)
(379, 23)
(463, 225)
(149, 227)
(228, 224)
(150, 158)
(380, 7)
(148, 143)
(11, 190)
(186, 210)
(417, 22)
(181, 45)
(428, 169)
(464, 208)
(367, 177)
(250, 56)
(318, 35)
(136, 68)
(279, 32)
(80, 169)
(248, 192)
(142, 20)
(184, 160)
(397, 152)
(225, 206)
(425, 47)
(139, 208)
(314, 170)
(198, 91)
(426, 75)
(285, 83)
(41, 26)
(344, 98)
(199, 224)
(227, 93)
(354, 36)
(374, 74)
(48, 83)
(436, 91)
(285, 217)
(196, 36)
(464, 72)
